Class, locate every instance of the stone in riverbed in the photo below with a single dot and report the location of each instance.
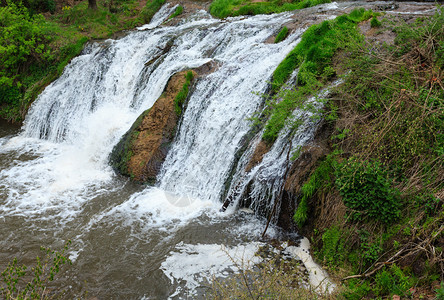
(142, 150)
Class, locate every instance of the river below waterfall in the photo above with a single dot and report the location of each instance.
(128, 241)
(132, 241)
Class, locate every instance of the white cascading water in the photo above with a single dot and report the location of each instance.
(260, 187)
(59, 179)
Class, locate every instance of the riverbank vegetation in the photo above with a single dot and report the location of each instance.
(39, 38)
(232, 8)
(313, 59)
(21, 282)
(373, 208)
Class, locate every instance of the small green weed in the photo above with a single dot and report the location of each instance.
(440, 292)
(374, 23)
(183, 93)
(392, 281)
(282, 35)
(178, 11)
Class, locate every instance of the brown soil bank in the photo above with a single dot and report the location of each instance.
(142, 150)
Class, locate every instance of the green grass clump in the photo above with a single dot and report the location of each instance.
(374, 23)
(282, 35)
(180, 98)
(178, 11)
(232, 8)
(318, 45)
(319, 179)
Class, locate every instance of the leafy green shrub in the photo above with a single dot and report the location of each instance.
(370, 251)
(429, 203)
(366, 188)
(178, 11)
(23, 45)
(282, 35)
(45, 271)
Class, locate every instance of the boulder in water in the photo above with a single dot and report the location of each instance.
(142, 150)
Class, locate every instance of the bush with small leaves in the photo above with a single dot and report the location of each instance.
(366, 188)
(12, 282)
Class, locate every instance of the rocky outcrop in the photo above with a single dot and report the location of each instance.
(261, 149)
(142, 150)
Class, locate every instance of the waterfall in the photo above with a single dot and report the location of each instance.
(102, 92)
(56, 182)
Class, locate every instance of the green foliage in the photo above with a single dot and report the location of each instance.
(370, 251)
(428, 203)
(388, 118)
(392, 281)
(366, 188)
(177, 12)
(318, 45)
(180, 98)
(333, 242)
(301, 213)
(356, 289)
(374, 23)
(319, 179)
(151, 7)
(23, 41)
(37, 6)
(387, 282)
(232, 8)
(14, 286)
(440, 292)
(24, 49)
(402, 102)
(35, 50)
(279, 109)
(282, 35)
